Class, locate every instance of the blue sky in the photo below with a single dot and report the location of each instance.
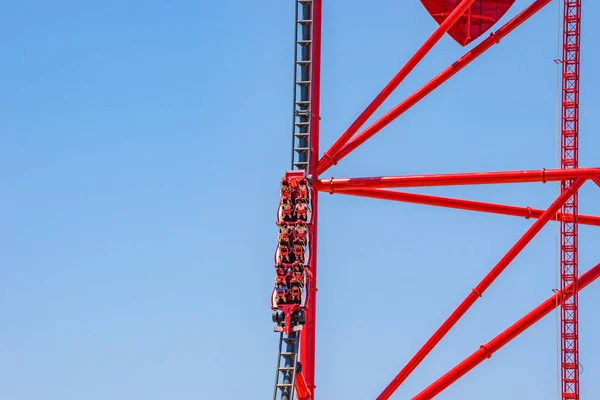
(141, 145)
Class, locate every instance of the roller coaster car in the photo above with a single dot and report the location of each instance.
(289, 317)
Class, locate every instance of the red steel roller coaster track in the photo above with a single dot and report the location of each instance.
(563, 209)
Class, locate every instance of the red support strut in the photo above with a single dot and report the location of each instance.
(326, 162)
(469, 178)
(444, 27)
(478, 291)
(509, 334)
(525, 212)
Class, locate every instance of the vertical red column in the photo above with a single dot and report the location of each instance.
(307, 342)
(570, 159)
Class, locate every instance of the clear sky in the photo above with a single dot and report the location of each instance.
(141, 144)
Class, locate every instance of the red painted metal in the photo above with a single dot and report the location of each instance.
(436, 201)
(469, 178)
(308, 334)
(302, 392)
(478, 291)
(488, 349)
(569, 316)
(563, 209)
(396, 80)
(477, 20)
(326, 162)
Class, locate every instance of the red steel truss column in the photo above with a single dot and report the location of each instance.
(308, 335)
(569, 327)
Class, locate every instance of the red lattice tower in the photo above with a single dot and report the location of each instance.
(569, 271)
(465, 21)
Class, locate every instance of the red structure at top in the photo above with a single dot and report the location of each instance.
(477, 20)
(465, 21)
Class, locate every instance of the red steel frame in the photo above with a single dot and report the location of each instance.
(569, 271)
(563, 209)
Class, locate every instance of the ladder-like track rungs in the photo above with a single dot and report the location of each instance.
(284, 385)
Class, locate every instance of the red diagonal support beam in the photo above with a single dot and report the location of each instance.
(597, 180)
(478, 291)
(509, 334)
(302, 392)
(437, 201)
(326, 162)
(441, 30)
(470, 178)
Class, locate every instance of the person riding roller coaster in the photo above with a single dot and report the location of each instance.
(301, 211)
(303, 191)
(281, 291)
(285, 189)
(284, 229)
(296, 292)
(281, 271)
(301, 232)
(298, 273)
(284, 255)
(285, 213)
(299, 257)
(298, 248)
(284, 239)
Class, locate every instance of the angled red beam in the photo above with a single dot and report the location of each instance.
(333, 185)
(597, 180)
(400, 76)
(302, 392)
(326, 162)
(506, 336)
(478, 291)
(437, 201)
